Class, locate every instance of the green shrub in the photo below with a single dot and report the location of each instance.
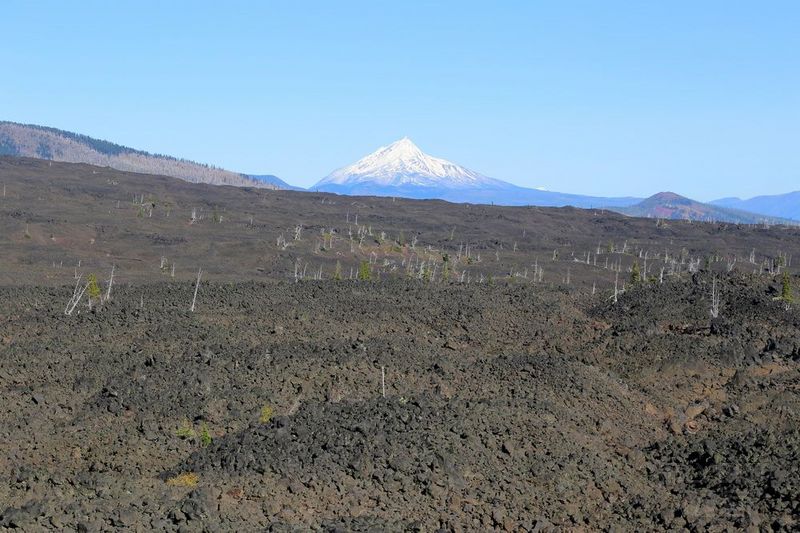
(364, 272)
(185, 430)
(94, 288)
(786, 290)
(205, 435)
(447, 270)
(636, 274)
(267, 413)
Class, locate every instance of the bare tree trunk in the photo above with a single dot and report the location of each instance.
(76, 298)
(110, 282)
(196, 286)
(714, 299)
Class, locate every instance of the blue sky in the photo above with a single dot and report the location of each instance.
(602, 97)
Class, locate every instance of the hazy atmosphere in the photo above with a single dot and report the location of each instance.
(598, 98)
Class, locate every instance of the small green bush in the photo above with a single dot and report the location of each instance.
(94, 288)
(636, 274)
(364, 272)
(205, 435)
(185, 431)
(786, 290)
(267, 413)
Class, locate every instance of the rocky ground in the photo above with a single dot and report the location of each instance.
(485, 378)
(508, 406)
(61, 220)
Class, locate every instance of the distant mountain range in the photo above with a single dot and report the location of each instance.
(399, 169)
(26, 140)
(778, 205)
(668, 205)
(402, 169)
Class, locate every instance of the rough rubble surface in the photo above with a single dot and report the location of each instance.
(507, 407)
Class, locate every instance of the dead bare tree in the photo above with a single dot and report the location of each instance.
(77, 294)
(196, 286)
(110, 283)
(714, 299)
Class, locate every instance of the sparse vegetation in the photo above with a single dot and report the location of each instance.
(636, 275)
(786, 288)
(187, 479)
(205, 435)
(94, 288)
(266, 414)
(185, 430)
(364, 271)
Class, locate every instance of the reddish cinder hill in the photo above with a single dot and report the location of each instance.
(668, 205)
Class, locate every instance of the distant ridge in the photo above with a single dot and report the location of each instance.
(41, 142)
(274, 180)
(668, 205)
(776, 205)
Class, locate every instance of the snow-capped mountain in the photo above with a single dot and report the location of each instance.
(402, 169)
(402, 163)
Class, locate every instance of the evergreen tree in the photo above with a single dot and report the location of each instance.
(364, 272)
(786, 291)
(445, 267)
(636, 274)
(337, 274)
(94, 288)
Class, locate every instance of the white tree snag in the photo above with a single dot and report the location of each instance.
(196, 286)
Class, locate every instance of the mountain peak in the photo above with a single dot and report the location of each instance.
(666, 196)
(401, 149)
(402, 163)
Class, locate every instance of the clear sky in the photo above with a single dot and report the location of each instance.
(699, 97)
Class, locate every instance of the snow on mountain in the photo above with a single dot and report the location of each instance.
(401, 164)
(402, 169)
